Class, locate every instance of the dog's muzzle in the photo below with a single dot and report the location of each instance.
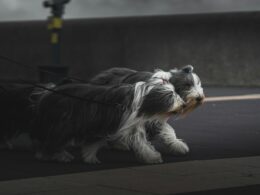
(200, 99)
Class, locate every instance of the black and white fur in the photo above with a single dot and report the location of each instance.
(96, 124)
(187, 83)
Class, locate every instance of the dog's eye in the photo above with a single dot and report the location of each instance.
(188, 85)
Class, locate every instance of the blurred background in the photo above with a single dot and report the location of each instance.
(32, 9)
(220, 38)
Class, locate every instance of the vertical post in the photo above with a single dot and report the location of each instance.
(55, 26)
(56, 69)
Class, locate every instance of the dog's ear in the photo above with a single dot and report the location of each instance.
(187, 69)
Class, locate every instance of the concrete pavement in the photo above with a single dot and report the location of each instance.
(169, 178)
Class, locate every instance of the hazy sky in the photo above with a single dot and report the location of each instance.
(33, 10)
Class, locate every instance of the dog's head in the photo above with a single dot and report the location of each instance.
(188, 85)
(160, 98)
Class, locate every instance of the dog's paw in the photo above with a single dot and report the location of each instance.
(63, 156)
(91, 160)
(154, 158)
(90, 156)
(178, 147)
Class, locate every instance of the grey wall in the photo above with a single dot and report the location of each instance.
(224, 48)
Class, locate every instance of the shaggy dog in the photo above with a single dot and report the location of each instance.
(95, 116)
(187, 83)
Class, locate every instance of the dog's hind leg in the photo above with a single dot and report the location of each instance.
(89, 152)
(167, 141)
(62, 156)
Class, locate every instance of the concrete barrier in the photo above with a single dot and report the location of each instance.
(224, 48)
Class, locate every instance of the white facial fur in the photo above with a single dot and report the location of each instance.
(178, 103)
(196, 91)
(162, 75)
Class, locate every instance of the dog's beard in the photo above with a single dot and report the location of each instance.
(191, 104)
(177, 111)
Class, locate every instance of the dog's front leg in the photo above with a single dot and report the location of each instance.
(171, 144)
(89, 151)
(143, 148)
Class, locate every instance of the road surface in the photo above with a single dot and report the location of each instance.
(218, 129)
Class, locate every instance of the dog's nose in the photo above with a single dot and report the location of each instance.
(200, 98)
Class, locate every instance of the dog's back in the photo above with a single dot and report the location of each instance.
(120, 75)
(79, 112)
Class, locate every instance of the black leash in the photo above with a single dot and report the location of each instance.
(58, 92)
(31, 68)
(75, 97)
